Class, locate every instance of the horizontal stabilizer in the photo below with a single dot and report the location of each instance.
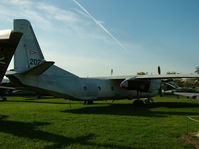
(39, 69)
(7, 87)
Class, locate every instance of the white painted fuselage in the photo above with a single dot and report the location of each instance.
(61, 83)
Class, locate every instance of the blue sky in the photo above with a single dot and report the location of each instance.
(127, 36)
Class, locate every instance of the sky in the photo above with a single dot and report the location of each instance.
(91, 37)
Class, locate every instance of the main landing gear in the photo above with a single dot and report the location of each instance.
(88, 102)
(148, 100)
(139, 102)
(3, 98)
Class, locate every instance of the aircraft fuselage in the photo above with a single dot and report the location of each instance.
(77, 88)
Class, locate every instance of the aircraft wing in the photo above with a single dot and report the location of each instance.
(125, 82)
(115, 77)
(8, 43)
(192, 95)
(166, 76)
(142, 79)
(134, 77)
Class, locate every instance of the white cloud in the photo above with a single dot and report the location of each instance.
(21, 3)
(58, 13)
(70, 34)
(39, 12)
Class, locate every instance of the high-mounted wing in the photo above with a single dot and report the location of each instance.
(142, 79)
(166, 76)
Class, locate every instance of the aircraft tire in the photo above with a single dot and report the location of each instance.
(4, 99)
(88, 102)
(138, 102)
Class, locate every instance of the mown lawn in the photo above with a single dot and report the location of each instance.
(27, 123)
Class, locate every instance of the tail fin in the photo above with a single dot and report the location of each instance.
(28, 53)
(8, 44)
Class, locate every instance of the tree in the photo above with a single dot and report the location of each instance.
(197, 70)
(196, 81)
(179, 81)
(142, 73)
(173, 72)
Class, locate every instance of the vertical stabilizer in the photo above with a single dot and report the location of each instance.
(28, 53)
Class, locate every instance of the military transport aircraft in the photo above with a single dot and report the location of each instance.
(33, 71)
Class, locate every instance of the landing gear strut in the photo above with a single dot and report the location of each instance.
(88, 102)
(3, 98)
(149, 100)
(138, 102)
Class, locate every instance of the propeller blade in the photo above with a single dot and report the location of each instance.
(159, 70)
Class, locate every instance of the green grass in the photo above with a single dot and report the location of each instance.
(61, 124)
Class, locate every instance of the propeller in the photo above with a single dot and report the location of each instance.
(160, 90)
(159, 70)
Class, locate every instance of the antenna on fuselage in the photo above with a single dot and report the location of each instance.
(160, 90)
(159, 70)
(111, 72)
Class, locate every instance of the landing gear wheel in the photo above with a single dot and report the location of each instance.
(88, 102)
(4, 98)
(148, 100)
(138, 102)
(38, 97)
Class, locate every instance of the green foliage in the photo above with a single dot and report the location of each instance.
(142, 73)
(172, 73)
(197, 70)
(179, 82)
(186, 82)
(62, 124)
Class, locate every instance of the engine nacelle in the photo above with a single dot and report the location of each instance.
(138, 84)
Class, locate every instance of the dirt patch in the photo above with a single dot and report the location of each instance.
(191, 139)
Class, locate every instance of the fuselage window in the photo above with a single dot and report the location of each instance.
(99, 88)
(85, 88)
(112, 88)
